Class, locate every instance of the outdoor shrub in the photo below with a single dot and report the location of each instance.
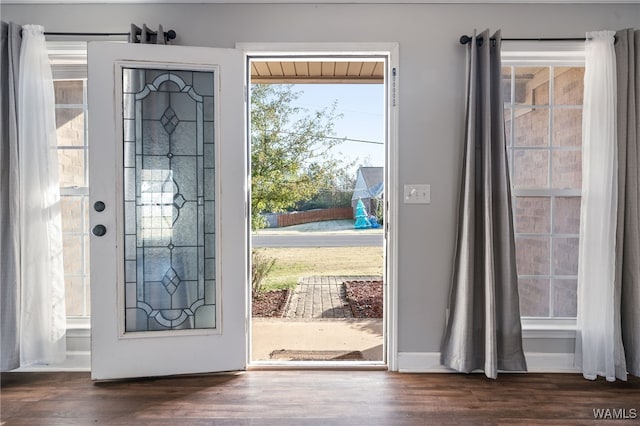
(326, 199)
(258, 221)
(260, 267)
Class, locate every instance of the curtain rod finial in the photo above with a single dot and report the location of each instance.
(464, 39)
(170, 35)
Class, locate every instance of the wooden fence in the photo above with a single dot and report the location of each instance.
(288, 219)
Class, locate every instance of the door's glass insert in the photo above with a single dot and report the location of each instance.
(169, 250)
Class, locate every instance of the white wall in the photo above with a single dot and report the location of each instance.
(431, 105)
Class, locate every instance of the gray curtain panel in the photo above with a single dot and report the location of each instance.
(627, 283)
(147, 36)
(483, 329)
(9, 184)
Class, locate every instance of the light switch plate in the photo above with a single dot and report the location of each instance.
(417, 193)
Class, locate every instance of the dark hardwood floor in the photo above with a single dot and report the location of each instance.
(310, 397)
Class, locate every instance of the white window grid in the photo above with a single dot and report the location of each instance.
(68, 61)
(552, 193)
(81, 192)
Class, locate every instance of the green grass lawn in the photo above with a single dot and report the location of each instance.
(292, 263)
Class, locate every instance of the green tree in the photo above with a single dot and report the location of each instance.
(290, 158)
(338, 194)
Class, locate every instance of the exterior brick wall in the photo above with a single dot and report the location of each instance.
(546, 263)
(70, 131)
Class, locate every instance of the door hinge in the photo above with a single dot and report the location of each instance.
(394, 74)
(386, 217)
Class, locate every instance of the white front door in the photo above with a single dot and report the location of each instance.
(168, 210)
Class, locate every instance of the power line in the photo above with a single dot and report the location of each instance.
(362, 141)
(332, 137)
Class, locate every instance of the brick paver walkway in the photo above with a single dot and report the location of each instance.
(321, 297)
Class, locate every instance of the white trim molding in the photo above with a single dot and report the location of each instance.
(78, 349)
(421, 362)
(319, 1)
(542, 53)
(68, 60)
(548, 328)
(390, 50)
(537, 362)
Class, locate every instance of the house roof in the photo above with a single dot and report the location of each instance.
(369, 183)
(372, 175)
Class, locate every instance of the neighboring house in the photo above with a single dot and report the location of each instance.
(369, 188)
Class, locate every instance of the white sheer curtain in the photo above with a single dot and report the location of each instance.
(42, 320)
(599, 349)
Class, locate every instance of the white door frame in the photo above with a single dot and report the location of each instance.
(390, 51)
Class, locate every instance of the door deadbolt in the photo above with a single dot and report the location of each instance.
(99, 230)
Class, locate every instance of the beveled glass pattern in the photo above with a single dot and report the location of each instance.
(169, 200)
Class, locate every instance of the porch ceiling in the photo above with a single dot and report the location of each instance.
(310, 71)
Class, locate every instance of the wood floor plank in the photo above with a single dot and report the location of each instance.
(313, 398)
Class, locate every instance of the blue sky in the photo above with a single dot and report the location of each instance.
(362, 107)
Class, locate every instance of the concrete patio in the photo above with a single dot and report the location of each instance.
(318, 318)
(271, 334)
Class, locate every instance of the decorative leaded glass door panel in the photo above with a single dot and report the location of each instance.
(168, 218)
(169, 199)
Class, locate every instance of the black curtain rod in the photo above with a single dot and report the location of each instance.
(168, 35)
(466, 39)
(86, 34)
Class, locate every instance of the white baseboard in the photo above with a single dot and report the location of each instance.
(75, 361)
(543, 362)
(429, 362)
(408, 362)
(78, 352)
(79, 359)
(421, 362)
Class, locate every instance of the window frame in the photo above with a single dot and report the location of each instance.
(68, 61)
(551, 55)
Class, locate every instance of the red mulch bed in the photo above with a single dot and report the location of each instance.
(365, 298)
(270, 304)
